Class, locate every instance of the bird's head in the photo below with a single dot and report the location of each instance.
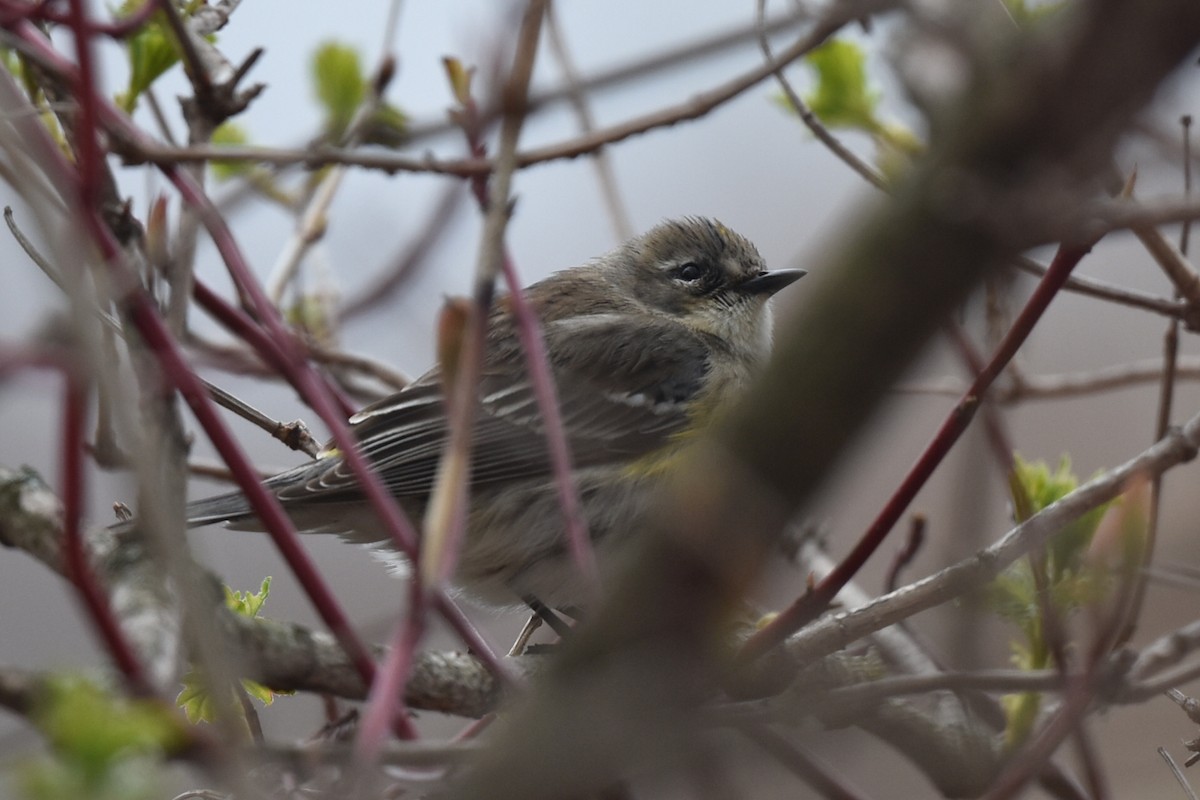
(705, 276)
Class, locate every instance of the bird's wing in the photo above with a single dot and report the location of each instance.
(620, 396)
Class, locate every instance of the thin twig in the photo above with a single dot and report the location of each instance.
(1166, 397)
(493, 198)
(1173, 263)
(1108, 292)
(119, 28)
(1092, 768)
(1170, 575)
(1186, 229)
(405, 263)
(78, 570)
(385, 700)
(907, 552)
(867, 695)
(39, 260)
(698, 106)
(217, 471)
(156, 336)
(1190, 705)
(618, 213)
(364, 365)
(820, 776)
(810, 120)
(160, 119)
(829, 635)
(1070, 384)
(244, 361)
(1166, 651)
(203, 63)
(636, 70)
(312, 220)
(1178, 773)
(215, 98)
(997, 433)
(536, 361)
(1184, 673)
(1029, 760)
(446, 518)
(294, 434)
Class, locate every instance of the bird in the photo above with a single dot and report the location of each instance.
(647, 344)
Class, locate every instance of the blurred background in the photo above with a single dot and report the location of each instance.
(749, 163)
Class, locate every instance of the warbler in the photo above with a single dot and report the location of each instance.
(646, 344)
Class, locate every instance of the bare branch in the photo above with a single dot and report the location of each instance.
(699, 106)
(839, 630)
(1026, 388)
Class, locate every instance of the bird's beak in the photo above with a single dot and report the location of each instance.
(769, 283)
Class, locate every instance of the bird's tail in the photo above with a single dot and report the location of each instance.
(234, 510)
(229, 508)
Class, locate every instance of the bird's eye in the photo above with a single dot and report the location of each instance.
(689, 272)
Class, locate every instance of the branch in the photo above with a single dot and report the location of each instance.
(1110, 293)
(810, 120)
(31, 520)
(289, 657)
(909, 264)
(836, 631)
(1068, 384)
(816, 600)
(699, 106)
(283, 656)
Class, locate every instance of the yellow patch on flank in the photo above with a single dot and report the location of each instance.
(659, 462)
(665, 458)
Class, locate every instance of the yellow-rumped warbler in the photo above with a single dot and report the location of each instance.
(645, 344)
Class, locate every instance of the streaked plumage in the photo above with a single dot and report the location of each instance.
(644, 343)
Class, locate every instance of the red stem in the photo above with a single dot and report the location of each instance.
(537, 362)
(14, 12)
(385, 701)
(146, 319)
(309, 385)
(314, 390)
(240, 324)
(998, 437)
(75, 393)
(75, 565)
(11, 12)
(75, 555)
(815, 601)
(297, 371)
(144, 316)
(86, 147)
